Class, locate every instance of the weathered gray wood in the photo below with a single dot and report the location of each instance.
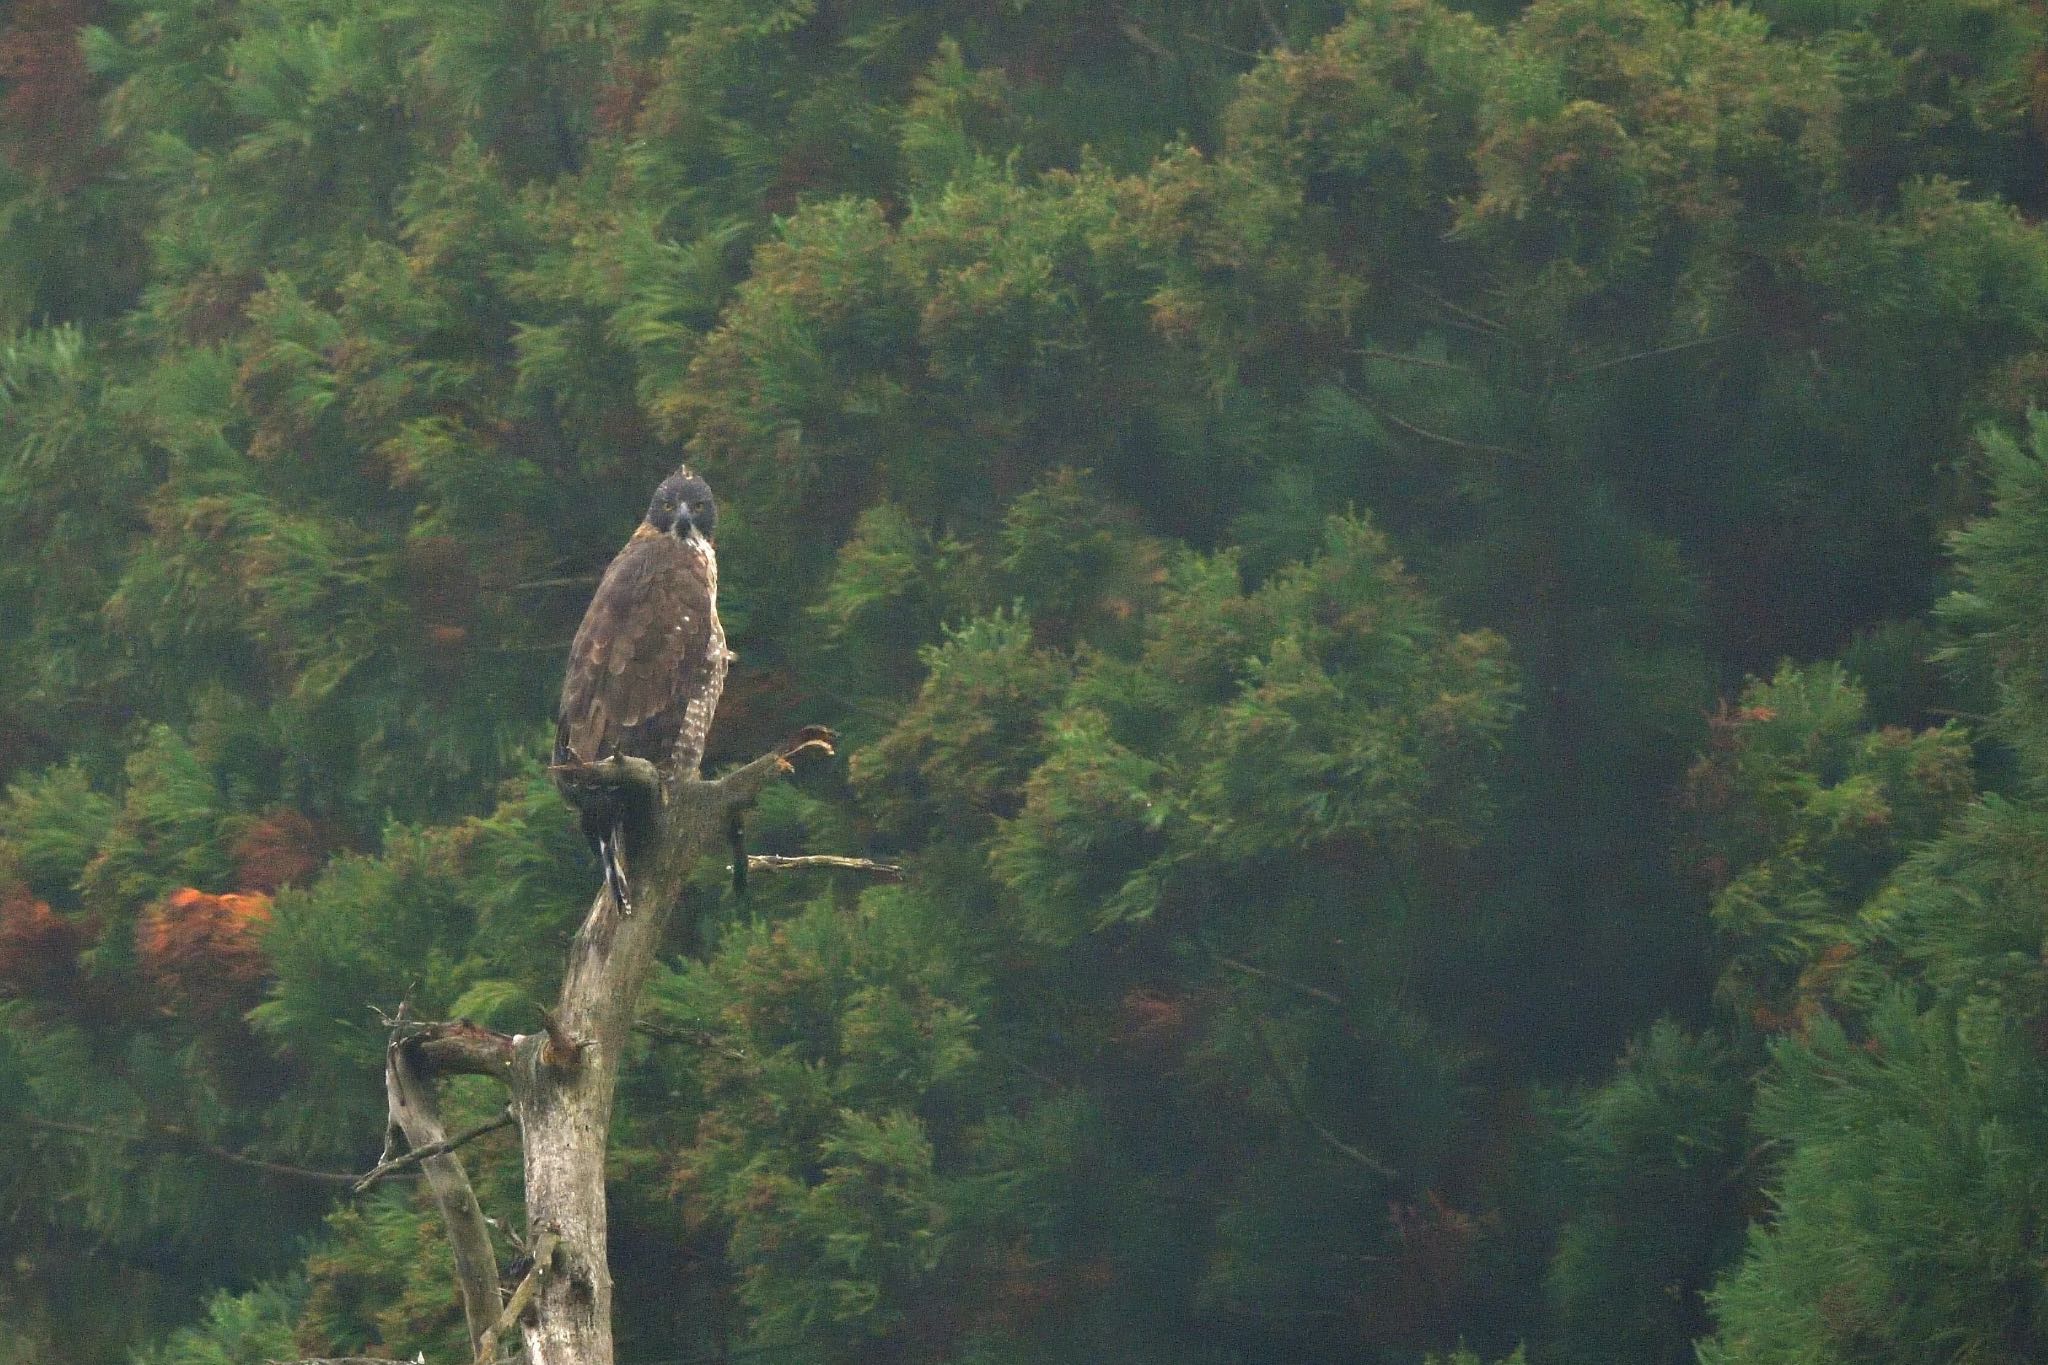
(410, 1097)
(564, 1081)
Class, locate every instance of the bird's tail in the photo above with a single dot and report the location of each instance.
(614, 859)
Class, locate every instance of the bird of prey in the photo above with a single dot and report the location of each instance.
(648, 661)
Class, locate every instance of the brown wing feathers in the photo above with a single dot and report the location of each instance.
(644, 675)
(640, 655)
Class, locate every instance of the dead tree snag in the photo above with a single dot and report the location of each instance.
(561, 1079)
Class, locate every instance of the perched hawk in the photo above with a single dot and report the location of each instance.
(649, 659)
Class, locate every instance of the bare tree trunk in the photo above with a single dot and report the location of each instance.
(562, 1080)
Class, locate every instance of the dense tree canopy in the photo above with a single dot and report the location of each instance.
(1447, 606)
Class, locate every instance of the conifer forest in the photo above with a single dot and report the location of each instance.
(1433, 615)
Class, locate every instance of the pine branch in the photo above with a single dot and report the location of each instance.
(173, 1136)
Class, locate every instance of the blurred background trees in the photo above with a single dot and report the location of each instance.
(1444, 602)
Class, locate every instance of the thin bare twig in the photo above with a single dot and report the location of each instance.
(1672, 349)
(1273, 26)
(1142, 40)
(1299, 1108)
(171, 1135)
(776, 862)
(1419, 361)
(1438, 438)
(1206, 41)
(694, 1037)
(1478, 320)
(1749, 1161)
(398, 1163)
(1261, 973)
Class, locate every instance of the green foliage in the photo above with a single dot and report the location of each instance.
(1343, 716)
(1270, 495)
(1993, 610)
(1909, 1163)
(1805, 810)
(963, 748)
(1655, 1154)
(52, 824)
(1907, 1198)
(240, 1329)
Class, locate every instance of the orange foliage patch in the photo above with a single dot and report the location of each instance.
(203, 953)
(38, 947)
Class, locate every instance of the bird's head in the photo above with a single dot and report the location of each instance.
(683, 503)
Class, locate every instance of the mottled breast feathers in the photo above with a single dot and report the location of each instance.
(649, 660)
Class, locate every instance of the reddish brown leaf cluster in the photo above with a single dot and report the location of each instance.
(203, 953)
(1811, 998)
(625, 89)
(281, 849)
(47, 119)
(212, 306)
(1155, 1026)
(1025, 1290)
(1434, 1266)
(38, 947)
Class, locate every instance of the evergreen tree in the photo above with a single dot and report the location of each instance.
(1273, 497)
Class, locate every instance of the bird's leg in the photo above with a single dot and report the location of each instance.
(611, 853)
(736, 835)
